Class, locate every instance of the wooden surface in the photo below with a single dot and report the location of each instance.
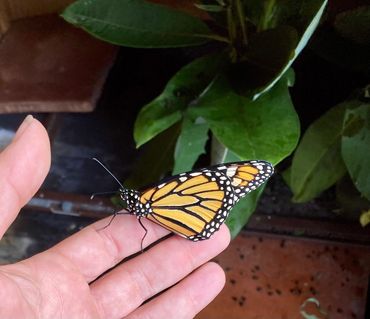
(47, 65)
(271, 277)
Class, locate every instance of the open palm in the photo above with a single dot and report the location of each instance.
(66, 281)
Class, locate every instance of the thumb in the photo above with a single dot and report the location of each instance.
(24, 164)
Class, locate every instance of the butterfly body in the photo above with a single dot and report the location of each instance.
(195, 204)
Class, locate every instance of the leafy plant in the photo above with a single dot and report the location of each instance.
(335, 148)
(237, 94)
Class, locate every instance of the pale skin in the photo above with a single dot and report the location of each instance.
(62, 281)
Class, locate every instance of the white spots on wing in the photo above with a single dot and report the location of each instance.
(231, 171)
(195, 174)
(183, 178)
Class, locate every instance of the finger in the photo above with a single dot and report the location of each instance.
(150, 273)
(24, 165)
(187, 298)
(95, 249)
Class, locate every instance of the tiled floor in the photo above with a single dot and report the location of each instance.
(271, 277)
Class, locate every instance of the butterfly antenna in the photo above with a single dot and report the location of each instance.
(102, 165)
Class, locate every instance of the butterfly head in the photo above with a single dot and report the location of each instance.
(130, 197)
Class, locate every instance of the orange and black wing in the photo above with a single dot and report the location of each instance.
(195, 204)
(245, 176)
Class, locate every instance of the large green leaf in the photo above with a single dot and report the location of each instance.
(356, 146)
(184, 87)
(266, 129)
(190, 144)
(137, 23)
(303, 16)
(317, 162)
(267, 57)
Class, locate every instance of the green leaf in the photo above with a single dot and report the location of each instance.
(267, 57)
(184, 87)
(156, 160)
(266, 129)
(365, 218)
(317, 162)
(210, 7)
(242, 211)
(190, 144)
(303, 16)
(356, 146)
(137, 23)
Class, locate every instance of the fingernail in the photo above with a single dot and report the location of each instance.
(22, 128)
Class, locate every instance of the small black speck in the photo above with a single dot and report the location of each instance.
(227, 268)
(353, 315)
(270, 293)
(347, 279)
(342, 284)
(257, 267)
(241, 303)
(260, 239)
(241, 256)
(296, 291)
(278, 291)
(253, 247)
(254, 277)
(234, 298)
(308, 256)
(233, 281)
(241, 273)
(312, 278)
(282, 243)
(296, 282)
(334, 257)
(313, 291)
(339, 310)
(259, 288)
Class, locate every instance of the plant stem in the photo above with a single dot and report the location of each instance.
(266, 19)
(241, 16)
(231, 27)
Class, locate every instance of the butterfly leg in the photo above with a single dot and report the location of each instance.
(146, 231)
(114, 215)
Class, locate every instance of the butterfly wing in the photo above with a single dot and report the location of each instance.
(195, 204)
(245, 176)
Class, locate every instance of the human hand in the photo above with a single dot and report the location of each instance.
(66, 281)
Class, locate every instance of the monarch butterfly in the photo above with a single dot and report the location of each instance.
(195, 204)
